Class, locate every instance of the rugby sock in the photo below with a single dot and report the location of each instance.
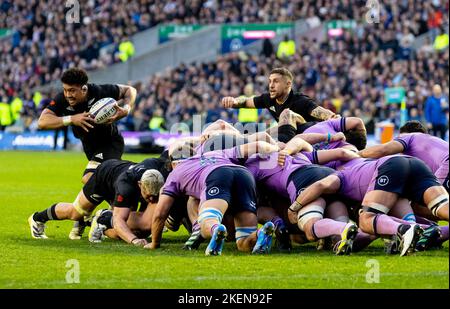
(362, 240)
(410, 218)
(328, 227)
(46, 215)
(278, 222)
(213, 228)
(422, 220)
(106, 219)
(444, 233)
(195, 226)
(424, 226)
(385, 225)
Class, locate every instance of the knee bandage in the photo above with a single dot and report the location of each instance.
(437, 203)
(81, 211)
(307, 213)
(209, 213)
(376, 208)
(243, 232)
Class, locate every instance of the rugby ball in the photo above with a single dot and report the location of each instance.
(103, 109)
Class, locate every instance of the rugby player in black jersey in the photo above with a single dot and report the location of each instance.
(124, 185)
(71, 107)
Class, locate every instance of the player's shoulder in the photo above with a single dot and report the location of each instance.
(100, 91)
(300, 96)
(264, 97)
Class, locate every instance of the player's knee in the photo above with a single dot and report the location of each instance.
(75, 215)
(366, 221)
(307, 217)
(209, 214)
(438, 204)
(309, 229)
(80, 210)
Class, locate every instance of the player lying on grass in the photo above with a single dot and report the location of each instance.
(220, 184)
(124, 185)
(378, 184)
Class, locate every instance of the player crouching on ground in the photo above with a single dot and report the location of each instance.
(110, 182)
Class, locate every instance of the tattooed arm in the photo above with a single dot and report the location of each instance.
(323, 113)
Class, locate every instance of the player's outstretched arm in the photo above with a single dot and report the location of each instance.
(293, 147)
(321, 113)
(240, 102)
(160, 215)
(327, 185)
(120, 217)
(342, 154)
(379, 151)
(250, 149)
(49, 121)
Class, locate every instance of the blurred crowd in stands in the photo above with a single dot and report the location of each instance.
(347, 73)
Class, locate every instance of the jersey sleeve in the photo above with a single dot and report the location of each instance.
(171, 187)
(311, 156)
(109, 91)
(57, 105)
(262, 101)
(338, 124)
(308, 104)
(404, 140)
(126, 196)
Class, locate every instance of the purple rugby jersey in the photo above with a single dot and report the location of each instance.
(430, 149)
(274, 176)
(358, 176)
(331, 126)
(189, 176)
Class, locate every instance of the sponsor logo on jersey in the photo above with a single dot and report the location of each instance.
(213, 191)
(120, 198)
(383, 180)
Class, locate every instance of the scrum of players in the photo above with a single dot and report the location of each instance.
(302, 181)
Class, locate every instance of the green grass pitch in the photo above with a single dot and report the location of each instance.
(33, 181)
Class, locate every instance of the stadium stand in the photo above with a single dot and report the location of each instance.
(347, 74)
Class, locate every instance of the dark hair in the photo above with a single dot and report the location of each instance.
(182, 152)
(357, 138)
(413, 126)
(283, 72)
(74, 76)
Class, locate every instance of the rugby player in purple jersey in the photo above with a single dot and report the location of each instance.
(414, 141)
(378, 185)
(220, 184)
(287, 175)
(352, 127)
